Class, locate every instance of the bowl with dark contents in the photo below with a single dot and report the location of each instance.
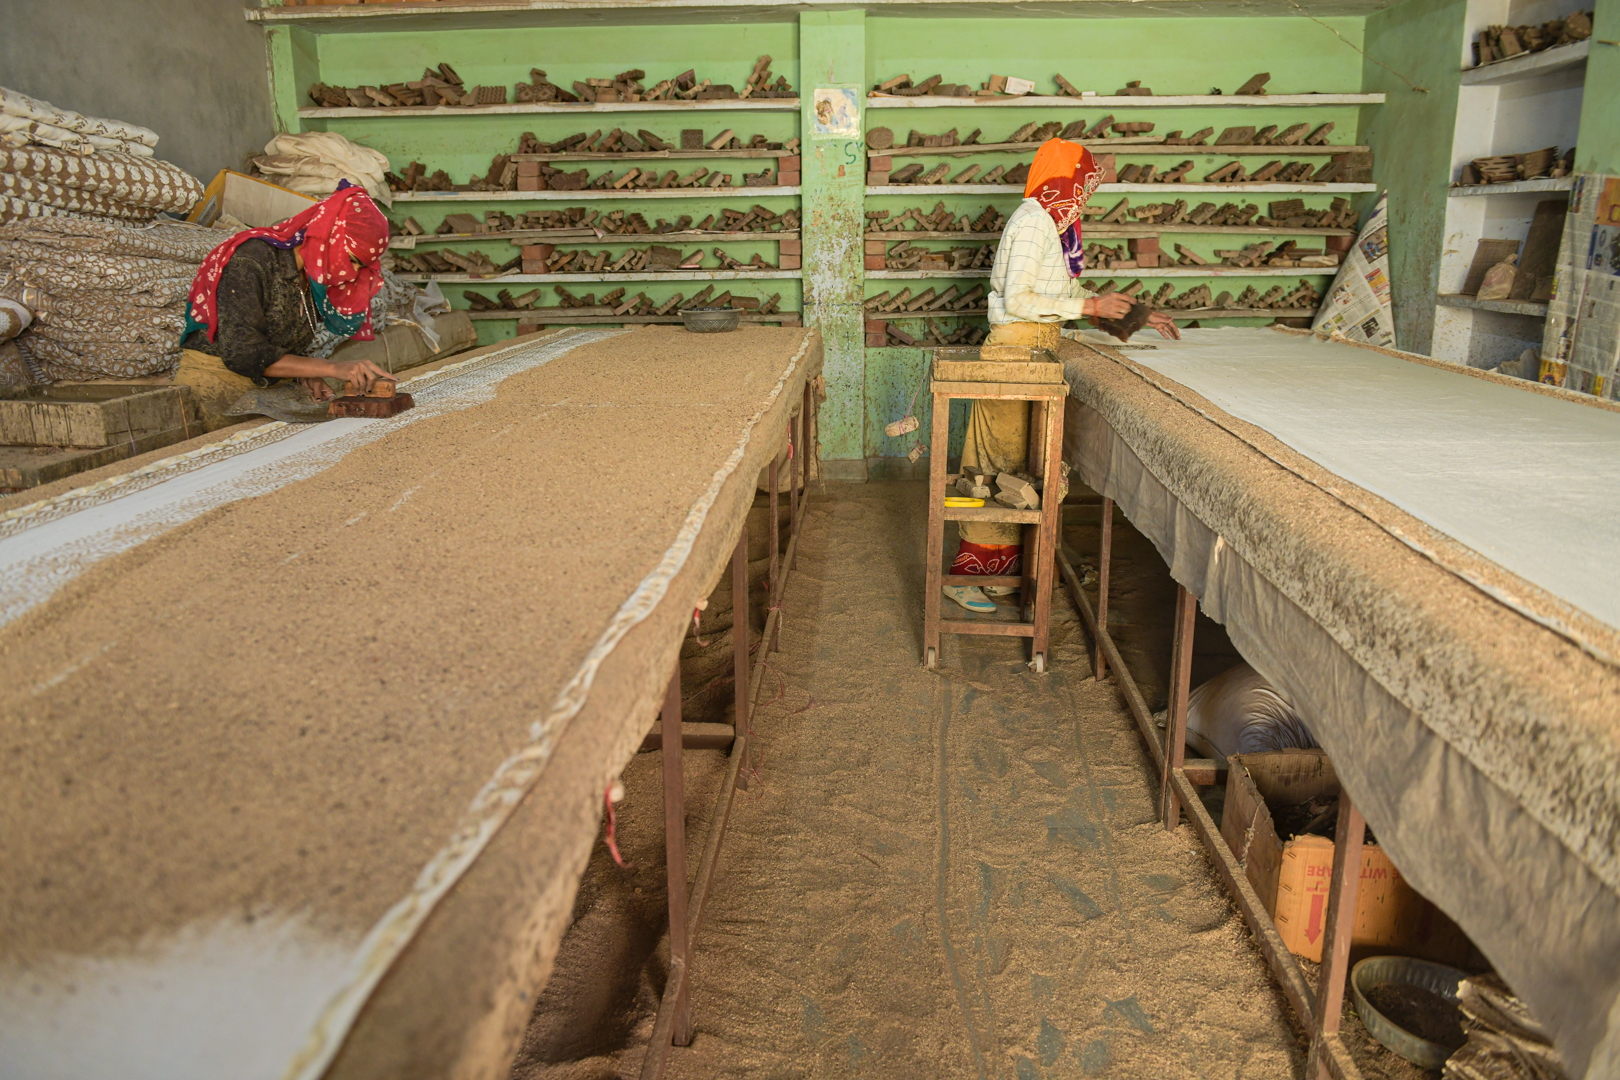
(711, 320)
(1410, 1006)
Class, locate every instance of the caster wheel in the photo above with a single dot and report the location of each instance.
(1039, 663)
(931, 659)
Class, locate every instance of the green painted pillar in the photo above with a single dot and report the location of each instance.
(1598, 148)
(293, 67)
(832, 57)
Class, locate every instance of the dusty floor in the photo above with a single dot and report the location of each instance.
(954, 873)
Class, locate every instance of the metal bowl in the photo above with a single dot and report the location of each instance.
(1438, 979)
(711, 320)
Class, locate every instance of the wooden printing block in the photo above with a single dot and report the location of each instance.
(1256, 86)
(1133, 320)
(375, 408)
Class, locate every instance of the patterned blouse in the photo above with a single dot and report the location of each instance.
(265, 311)
(1030, 280)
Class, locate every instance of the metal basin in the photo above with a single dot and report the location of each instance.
(1437, 979)
(711, 320)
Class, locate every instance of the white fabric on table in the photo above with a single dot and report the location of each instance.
(1239, 712)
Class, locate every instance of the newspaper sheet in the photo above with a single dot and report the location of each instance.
(1581, 343)
(1358, 306)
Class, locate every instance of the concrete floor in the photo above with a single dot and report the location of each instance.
(953, 873)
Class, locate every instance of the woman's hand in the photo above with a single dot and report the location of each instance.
(317, 389)
(1110, 306)
(359, 374)
(1165, 325)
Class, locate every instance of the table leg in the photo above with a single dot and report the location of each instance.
(1050, 528)
(1105, 553)
(795, 470)
(739, 625)
(939, 441)
(1175, 728)
(675, 855)
(773, 587)
(1343, 890)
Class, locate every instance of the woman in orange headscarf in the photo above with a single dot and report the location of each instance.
(1035, 287)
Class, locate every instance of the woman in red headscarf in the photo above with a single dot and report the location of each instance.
(260, 297)
(1035, 287)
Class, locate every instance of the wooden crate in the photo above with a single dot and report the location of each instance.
(89, 416)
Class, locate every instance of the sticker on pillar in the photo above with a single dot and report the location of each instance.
(837, 113)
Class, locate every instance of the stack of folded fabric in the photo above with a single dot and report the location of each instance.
(108, 298)
(312, 164)
(55, 162)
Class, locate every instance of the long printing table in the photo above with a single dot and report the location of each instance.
(306, 733)
(1426, 561)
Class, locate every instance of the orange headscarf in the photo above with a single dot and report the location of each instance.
(1061, 178)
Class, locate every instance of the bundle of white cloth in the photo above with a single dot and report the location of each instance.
(312, 163)
(26, 121)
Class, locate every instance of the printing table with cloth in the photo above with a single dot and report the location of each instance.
(307, 731)
(1423, 559)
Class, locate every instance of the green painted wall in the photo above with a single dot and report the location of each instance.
(1101, 55)
(1411, 136)
(1598, 149)
(867, 388)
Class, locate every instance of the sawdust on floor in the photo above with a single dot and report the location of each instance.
(935, 874)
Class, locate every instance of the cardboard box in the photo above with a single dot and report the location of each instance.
(790, 247)
(787, 262)
(876, 247)
(875, 262)
(1292, 876)
(248, 199)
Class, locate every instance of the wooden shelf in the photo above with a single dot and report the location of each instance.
(595, 193)
(604, 276)
(1122, 146)
(1179, 313)
(1129, 272)
(530, 108)
(1131, 189)
(1110, 102)
(1121, 232)
(655, 155)
(1528, 65)
(1517, 187)
(591, 315)
(584, 236)
(1531, 308)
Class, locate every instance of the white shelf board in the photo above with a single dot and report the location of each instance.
(642, 275)
(1110, 102)
(741, 105)
(1506, 307)
(1128, 272)
(1517, 187)
(1169, 190)
(1528, 65)
(593, 193)
(579, 236)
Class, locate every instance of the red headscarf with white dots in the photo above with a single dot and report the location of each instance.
(345, 223)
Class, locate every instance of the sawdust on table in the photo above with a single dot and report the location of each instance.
(286, 704)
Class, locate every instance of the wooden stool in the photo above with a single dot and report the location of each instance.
(1002, 373)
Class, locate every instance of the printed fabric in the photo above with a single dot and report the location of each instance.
(345, 224)
(987, 560)
(1061, 179)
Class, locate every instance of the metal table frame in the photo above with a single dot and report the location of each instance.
(673, 1026)
(1319, 1013)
